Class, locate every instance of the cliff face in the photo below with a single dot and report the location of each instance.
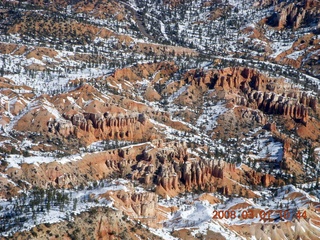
(174, 170)
(255, 90)
(272, 103)
(290, 15)
(83, 113)
(100, 125)
(143, 71)
(143, 204)
(167, 166)
(294, 14)
(227, 79)
(191, 174)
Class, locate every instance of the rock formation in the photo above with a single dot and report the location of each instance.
(137, 204)
(108, 125)
(63, 127)
(255, 90)
(293, 14)
(272, 103)
(173, 170)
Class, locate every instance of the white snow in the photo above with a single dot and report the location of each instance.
(210, 116)
(295, 54)
(84, 203)
(279, 47)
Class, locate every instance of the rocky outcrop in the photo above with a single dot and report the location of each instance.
(272, 103)
(191, 174)
(253, 115)
(112, 126)
(195, 174)
(258, 178)
(289, 16)
(173, 170)
(293, 14)
(228, 79)
(138, 72)
(142, 204)
(170, 168)
(63, 127)
(256, 91)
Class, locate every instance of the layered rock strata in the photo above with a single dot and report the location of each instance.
(294, 14)
(142, 204)
(112, 126)
(256, 91)
(173, 170)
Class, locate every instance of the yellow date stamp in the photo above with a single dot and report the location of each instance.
(261, 215)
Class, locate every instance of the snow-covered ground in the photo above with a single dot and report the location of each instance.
(279, 47)
(266, 147)
(77, 201)
(198, 215)
(209, 117)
